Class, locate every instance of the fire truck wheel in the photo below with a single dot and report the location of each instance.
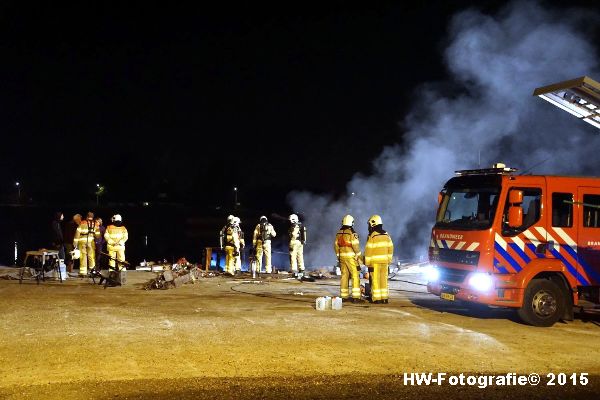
(543, 304)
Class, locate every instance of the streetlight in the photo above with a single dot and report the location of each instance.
(99, 192)
(18, 185)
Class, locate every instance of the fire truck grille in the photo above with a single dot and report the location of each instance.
(453, 275)
(456, 256)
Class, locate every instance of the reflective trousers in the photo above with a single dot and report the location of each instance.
(263, 248)
(238, 262)
(230, 259)
(379, 282)
(88, 257)
(348, 266)
(117, 252)
(296, 256)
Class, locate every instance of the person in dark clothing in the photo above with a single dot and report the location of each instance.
(100, 241)
(69, 236)
(58, 242)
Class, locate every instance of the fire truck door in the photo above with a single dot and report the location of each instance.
(588, 233)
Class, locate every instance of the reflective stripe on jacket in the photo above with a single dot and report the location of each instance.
(379, 249)
(116, 235)
(87, 231)
(346, 244)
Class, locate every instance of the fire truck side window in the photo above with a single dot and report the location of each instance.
(562, 210)
(591, 211)
(531, 211)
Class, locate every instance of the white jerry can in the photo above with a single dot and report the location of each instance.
(321, 304)
(63, 271)
(336, 303)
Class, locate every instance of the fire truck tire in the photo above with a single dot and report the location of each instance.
(543, 304)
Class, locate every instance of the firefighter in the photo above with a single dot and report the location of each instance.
(347, 249)
(261, 240)
(116, 235)
(86, 233)
(238, 260)
(378, 255)
(297, 235)
(230, 241)
(222, 232)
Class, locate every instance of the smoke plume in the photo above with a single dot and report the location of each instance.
(485, 112)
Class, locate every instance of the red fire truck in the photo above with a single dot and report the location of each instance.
(529, 242)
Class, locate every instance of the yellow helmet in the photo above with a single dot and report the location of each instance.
(375, 220)
(348, 220)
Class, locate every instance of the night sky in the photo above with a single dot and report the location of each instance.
(194, 100)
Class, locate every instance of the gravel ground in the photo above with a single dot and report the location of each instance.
(239, 338)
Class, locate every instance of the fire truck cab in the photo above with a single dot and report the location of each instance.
(529, 242)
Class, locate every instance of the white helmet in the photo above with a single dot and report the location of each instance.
(230, 218)
(375, 220)
(237, 221)
(263, 219)
(293, 218)
(116, 217)
(75, 254)
(348, 220)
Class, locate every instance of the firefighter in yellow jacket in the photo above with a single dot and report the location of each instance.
(347, 249)
(379, 251)
(85, 234)
(297, 235)
(261, 240)
(238, 259)
(116, 235)
(231, 243)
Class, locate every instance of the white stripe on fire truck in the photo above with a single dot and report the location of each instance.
(517, 240)
(449, 243)
(473, 246)
(529, 235)
(440, 244)
(542, 231)
(432, 244)
(564, 236)
(501, 241)
(460, 245)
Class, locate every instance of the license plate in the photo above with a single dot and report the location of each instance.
(447, 296)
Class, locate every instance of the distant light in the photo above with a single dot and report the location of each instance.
(16, 249)
(353, 193)
(97, 185)
(17, 183)
(235, 188)
(145, 204)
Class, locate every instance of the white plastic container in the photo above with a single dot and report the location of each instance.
(336, 303)
(63, 272)
(321, 304)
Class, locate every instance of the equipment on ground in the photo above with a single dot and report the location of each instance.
(114, 276)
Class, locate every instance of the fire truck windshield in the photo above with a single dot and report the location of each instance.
(468, 208)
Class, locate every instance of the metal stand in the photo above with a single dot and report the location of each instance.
(39, 270)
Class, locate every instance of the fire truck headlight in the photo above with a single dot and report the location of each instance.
(481, 282)
(432, 273)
